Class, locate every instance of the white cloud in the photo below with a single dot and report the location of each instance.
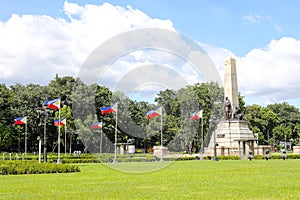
(265, 75)
(254, 18)
(36, 47)
(273, 72)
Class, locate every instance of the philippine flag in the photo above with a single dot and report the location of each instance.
(20, 120)
(154, 113)
(196, 115)
(45, 104)
(60, 122)
(96, 125)
(109, 109)
(54, 104)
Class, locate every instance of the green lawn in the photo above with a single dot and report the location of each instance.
(258, 179)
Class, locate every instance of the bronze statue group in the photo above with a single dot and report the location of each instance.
(237, 115)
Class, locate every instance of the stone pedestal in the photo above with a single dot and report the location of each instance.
(158, 151)
(233, 138)
(229, 132)
(296, 149)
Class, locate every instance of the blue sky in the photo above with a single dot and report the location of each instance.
(262, 35)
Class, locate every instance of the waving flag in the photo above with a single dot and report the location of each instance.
(54, 104)
(96, 125)
(196, 115)
(60, 122)
(154, 113)
(45, 104)
(64, 121)
(20, 120)
(109, 109)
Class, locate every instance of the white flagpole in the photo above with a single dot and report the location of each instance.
(58, 140)
(66, 137)
(161, 136)
(101, 140)
(26, 137)
(116, 129)
(202, 145)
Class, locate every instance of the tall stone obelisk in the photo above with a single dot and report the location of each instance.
(232, 135)
(230, 82)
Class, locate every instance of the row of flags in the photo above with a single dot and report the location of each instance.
(150, 114)
(157, 112)
(52, 104)
(23, 120)
(55, 105)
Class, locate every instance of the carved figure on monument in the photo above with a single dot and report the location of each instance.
(228, 110)
(238, 114)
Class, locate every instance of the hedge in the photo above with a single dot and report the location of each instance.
(33, 167)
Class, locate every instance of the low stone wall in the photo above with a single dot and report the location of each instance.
(261, 149)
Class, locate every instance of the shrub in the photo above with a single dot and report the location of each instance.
(33, 167)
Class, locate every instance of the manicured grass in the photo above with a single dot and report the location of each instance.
(238, 179)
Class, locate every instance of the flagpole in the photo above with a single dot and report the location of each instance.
(202, 145)
(101, 140)
(161, 136)
(26, 137)
(58, 140)
(115, 156)
(66, 137)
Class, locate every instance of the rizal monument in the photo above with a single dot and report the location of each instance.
(232, 135)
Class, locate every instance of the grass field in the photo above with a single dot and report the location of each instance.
(240, 179)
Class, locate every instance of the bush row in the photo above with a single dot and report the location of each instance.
(30, 167)
(53, 156)
(278, 156)
(94, 158)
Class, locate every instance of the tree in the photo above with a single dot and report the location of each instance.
(6, 97)
(5, 138)
(282, 133)
(261, 121)
(288, 116)
(87, 136)
(62, 87)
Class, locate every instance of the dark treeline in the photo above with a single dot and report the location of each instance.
(80, 104)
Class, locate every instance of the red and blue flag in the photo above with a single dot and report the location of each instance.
(154, 113)
(96, 125)
(20, 120)
(62, 122)
(196, 115)
(109, 109)
(53, 104)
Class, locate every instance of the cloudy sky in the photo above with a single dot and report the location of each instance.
(39, 39)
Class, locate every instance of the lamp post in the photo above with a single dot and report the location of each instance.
(40, 147)
(284, 140)
(257, 149)
(214, 122)
(297, 132)
(70, 147)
